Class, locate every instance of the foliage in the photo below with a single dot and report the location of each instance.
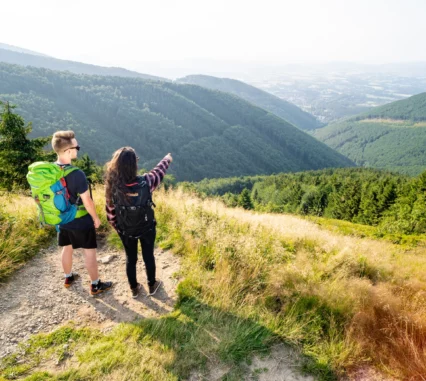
(260, 98)
(244, 199)
(390, 137)
(412, 108)
(17, 152)
(93, 172)
(168, 182)
(209, 133)
(396, 204)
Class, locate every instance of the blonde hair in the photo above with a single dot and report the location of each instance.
(62, 140)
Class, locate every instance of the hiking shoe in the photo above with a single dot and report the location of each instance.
(96, 289)
(70, 280)
(153, 289)
(136, 291)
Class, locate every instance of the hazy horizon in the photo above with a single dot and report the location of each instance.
(134, 34)
(240, 69)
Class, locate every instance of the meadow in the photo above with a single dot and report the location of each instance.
(250, 281)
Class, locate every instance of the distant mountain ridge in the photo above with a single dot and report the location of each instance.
(390, 137)
(21, 50)
(19, 56)
(210, 133)
(285, 110)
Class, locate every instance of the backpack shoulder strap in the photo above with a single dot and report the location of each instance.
(144, 184)
(68, 169)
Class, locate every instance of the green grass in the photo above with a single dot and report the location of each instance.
(114, 241)
(168, 348)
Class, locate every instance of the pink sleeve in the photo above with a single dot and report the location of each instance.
(110, 213)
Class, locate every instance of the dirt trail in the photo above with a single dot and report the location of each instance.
(34, 300)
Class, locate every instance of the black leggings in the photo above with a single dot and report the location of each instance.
(131, 248)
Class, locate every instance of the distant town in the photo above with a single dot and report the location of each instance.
(332, 96)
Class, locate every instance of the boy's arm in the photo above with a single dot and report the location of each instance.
(89, 205)
(84, 194)
(155, 176)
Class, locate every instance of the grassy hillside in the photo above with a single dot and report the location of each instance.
(25, 58)
(393, 202)
(391, 137)
(249, 281)
(285, 110)
(211, 134)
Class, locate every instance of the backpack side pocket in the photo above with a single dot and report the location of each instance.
(60, 199)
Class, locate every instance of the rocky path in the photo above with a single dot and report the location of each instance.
(35, 300)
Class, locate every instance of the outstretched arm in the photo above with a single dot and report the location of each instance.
(155, 176)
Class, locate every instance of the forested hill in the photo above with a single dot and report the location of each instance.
(210, 133)
(37, 60)
(391, 137)
(412, 108)
(286, 110)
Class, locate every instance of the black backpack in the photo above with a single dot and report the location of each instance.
(135, 215)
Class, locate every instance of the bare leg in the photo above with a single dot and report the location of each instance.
(67, 259)
(91, 263)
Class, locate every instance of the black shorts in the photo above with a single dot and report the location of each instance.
(79, 239)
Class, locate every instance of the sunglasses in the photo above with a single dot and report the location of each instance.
(76, 147)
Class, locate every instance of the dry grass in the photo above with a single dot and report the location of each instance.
(364, 300)
(20, 233)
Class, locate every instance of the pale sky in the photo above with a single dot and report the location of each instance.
(124, 32)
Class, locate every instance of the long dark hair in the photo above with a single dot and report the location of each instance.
(121, 170)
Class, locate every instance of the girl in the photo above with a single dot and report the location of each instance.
(129, 211)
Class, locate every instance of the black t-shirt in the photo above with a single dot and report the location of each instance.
(77, 184)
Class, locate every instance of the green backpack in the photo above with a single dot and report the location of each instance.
(49, 190)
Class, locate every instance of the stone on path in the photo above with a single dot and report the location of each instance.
(106, 259)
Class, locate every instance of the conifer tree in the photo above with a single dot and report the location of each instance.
(244, 199)
(17, 152)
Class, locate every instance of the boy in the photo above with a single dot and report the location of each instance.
(80, 232)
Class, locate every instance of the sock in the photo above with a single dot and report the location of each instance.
(68, 275)
(95, 282)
